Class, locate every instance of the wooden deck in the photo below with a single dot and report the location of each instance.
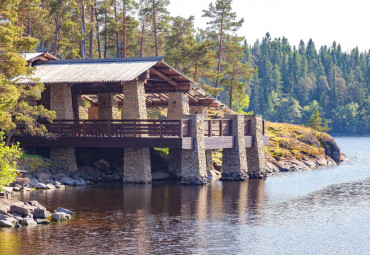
(135, 133)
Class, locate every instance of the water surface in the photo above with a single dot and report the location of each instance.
(325, 211)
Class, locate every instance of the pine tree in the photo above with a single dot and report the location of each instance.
(222, 22)
(315, 121)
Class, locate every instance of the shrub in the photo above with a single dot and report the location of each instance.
(8, 163)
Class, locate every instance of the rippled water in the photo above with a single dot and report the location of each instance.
(325, 211)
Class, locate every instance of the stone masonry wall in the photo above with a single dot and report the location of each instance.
(234, 161)
(256, 154)
(178, 106)
(61, 103)
(194, 170)
(107, 106)
(137, 168)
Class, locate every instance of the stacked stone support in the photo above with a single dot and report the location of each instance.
(234, 161)
(256, 154)
(79, 109)
(193, 162)
(61, 103)
(178, 105)
(107, 106)
(204, 111)
(136, 168)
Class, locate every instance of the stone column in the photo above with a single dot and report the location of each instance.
(107, 106)
(234, 161)
(178, 105)
(79, 109)
(204, 111)
(136, 168)
(193, 162)
(256, 154)
(61, 103)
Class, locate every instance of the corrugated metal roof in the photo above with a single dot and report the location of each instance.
(29, 56)
(92, 70)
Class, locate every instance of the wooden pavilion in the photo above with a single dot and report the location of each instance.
(119, 92)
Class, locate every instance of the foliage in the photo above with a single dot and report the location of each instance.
(15, 110)
(292, 82)
(8, 163)
(33, 163)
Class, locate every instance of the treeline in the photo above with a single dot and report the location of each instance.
(292, 82)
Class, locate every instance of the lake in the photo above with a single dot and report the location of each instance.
(324, 211)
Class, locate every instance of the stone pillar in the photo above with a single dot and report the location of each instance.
(256, 154)
(193, 162)
(234, 161)
(178, 106)
(79, 109)
(61, 103)
(107, 106)
(136, 168)
(204, 111)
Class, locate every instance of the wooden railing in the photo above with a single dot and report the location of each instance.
(217, 127)
(248, 127)
(120, 128)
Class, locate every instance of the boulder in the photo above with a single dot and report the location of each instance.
(68, 181)
(8, 218)
(35, 204)
(41, 213)
(33, 182)
(22, 181)
(45, 176)
(63, 210)
(60, 216)
(80, 182)
(58, 185)
(6, 224)
(17, 187)
(23, 210)
(42, 221)
(40, 185)
(28, 222)
(50, 186)
(101, 164)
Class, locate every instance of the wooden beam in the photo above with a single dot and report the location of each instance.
(164, 77)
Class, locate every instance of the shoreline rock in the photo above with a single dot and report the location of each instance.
(14, 213)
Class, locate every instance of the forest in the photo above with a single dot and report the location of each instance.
(283, 82)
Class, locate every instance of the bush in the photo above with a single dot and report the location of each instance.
(8, 163)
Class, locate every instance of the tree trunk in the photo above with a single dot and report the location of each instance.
(232, 88)
(97, 33)
(105, 33)
(142, 38)
(83, 31)
(219, 53)
(116, 20)
(91, 33)
(124, 40)
(196, 71)
(155, 29)
(56, 33)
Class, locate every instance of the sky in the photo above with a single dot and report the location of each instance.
(345, 21)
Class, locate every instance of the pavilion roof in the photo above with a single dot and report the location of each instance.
(92, 76)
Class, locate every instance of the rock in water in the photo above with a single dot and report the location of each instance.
(41, 213)
(60, 209)
(6, 224)
(28, 222)
(60, 216)
(41, 186)
(42, 221)
(50, 186)
(24, 210)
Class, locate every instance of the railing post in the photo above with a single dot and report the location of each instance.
(161, 128)
(221, 127)
(181, 128)
(83, 128)
(249, 126)
(135, 129)
(109, 129)
(209, 128)
(59, 127)
(263, 127)
(190, 127)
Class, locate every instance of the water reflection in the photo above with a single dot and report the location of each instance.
(323, 211)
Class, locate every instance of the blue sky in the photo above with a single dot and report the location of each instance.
(324, 21)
